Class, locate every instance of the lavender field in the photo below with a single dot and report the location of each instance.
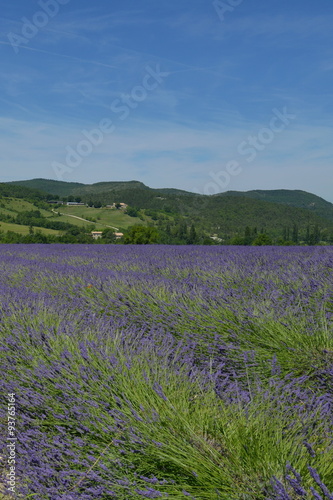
(168, 372)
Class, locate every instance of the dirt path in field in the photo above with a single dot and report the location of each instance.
(85, 220)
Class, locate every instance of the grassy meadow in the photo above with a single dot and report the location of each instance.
(101, 217)
(22, 229)
(168, 372)
(98, 218)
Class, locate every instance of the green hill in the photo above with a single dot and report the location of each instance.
(232, 217)
(293, 198)
(59, 188)
(63, 189)
(8, 189)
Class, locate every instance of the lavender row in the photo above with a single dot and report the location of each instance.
(169, 372)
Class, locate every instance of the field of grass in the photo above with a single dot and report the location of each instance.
(96, 218)
(103, 216)
(77, 222)
(20, 229)
(168, 372)
(12, 206)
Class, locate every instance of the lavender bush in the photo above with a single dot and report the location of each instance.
(168, 372)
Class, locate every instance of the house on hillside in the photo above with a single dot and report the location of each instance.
(96, 234)
(75, 203)
(118, 235)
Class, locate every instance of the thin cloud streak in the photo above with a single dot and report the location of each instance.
(225, 78)
(65, 56)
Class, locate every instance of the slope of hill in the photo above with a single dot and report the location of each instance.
(283, 215)
(137, 193)
(294, 198)
(62, 189)
(232, 215)
(59, 188)
(21, 191)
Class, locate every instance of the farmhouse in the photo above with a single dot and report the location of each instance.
(75, 203)
(96, 234)
(118, 235)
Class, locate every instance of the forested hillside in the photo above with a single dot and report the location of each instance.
(177, 217)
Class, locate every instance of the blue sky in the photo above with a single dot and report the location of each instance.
(199, 95)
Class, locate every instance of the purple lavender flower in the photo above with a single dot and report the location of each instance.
(318, 480)
(158, 389)
(150, 493)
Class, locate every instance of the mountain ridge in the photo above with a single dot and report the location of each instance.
(287, 215)
(292, 197)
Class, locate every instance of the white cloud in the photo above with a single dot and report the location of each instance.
(179, 157)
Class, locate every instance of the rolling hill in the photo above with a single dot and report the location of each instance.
(292, 198)
(283, 215)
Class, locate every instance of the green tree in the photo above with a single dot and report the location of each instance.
(237, 240)
(316, 234)
(295, 234)
(307, 237)
(141, 235)
(108, 236)
(247, 236)
(132, 212)
(192, 238)
(314, 237)
(262, 239)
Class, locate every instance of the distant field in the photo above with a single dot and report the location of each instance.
(14, 205)
(76, 222)
(17, 228)
(103, 216)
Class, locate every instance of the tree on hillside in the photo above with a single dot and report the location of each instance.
(132, 212)
(248, 236)
(262, 239)
(295, 234)
(141, 235)
(192, 238)
(108, 236)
